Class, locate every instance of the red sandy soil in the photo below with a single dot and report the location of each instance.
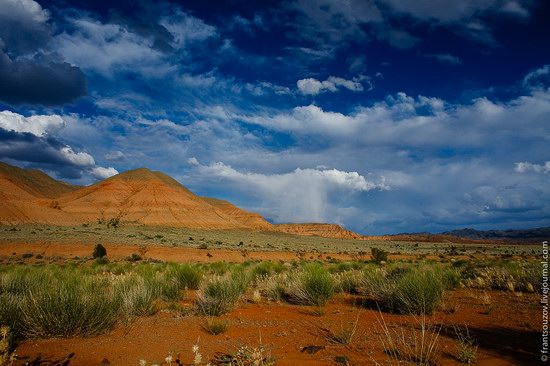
(13, 250)
(509, 335)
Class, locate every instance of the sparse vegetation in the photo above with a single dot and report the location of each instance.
(344, 334)
(467, 349)
(215, 326)
(245, 356)
(416, 346)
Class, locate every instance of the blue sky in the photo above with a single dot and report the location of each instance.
(384, 116)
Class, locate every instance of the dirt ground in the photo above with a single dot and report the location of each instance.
(505, 325)
(505, 330)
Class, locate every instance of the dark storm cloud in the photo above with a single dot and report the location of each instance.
(39, 81)
(45, 151)
(28, 74)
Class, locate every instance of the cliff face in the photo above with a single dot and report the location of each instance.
(316, 229)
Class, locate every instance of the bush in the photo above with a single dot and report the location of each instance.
(313, 286)
(99, 251)
(379, 255)
(66, 307)
(220, 293)
(186, 276)
(418, 292)
(407, 291)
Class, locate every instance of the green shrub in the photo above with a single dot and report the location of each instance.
(186, 276)
(99, 251)
(219, 294)
(266, 268)
(418, 292)
(379, 255)
(67, 307)
(312, 286)
(406, 291)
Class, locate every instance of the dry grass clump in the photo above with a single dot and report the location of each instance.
(215, 326)
(350, 282)
(273, 287)
(415, 346)
(219, 294)
(467, 349)
(244, 356)
(506, 276)
(407, 291)
(7, 357)
(345, 334)
(312, 286)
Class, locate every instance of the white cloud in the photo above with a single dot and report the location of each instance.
(100, 172)
(105, 48)
(455, 10)
(312, 86)
(538, 78)
(116, 155)
(526, 167)
(445, 58)
(77, 158)
(186, 28)
(193, 161)
(38, 125)
(24, 11)
(303, 195)
(402, 120)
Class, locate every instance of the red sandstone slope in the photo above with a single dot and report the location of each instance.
(145, 197)
(249, 219)
(138, 196)
(317, 229)
(25, 196)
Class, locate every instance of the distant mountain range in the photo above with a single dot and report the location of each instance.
(146, 197)
(537, 234)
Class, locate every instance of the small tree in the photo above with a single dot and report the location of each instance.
(379, 255)
(99, 251)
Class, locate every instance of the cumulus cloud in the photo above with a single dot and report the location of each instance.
(23, 25)
(312, 86)
(303, 195)
(40, 80)
(24, 11)
(38, 125)
(35, 140)
(103, 173)
(526, 167)
(29, 72)
(421, 122)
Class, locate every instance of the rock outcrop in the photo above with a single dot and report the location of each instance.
(318, 229)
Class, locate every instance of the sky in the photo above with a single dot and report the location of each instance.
(384, 116)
